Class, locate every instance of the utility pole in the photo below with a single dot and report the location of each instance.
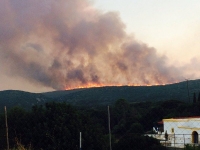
(109, 127)
(80, 141)
(6, 128)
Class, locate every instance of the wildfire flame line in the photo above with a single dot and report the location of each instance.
(92, 85)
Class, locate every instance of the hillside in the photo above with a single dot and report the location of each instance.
(103, 95)
(23, 99)
(107, 95)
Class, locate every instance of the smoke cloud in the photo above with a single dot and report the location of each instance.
(68, 44)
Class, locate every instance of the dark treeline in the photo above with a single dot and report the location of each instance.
(58, 125)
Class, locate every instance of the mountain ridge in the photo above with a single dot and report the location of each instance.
(107, 95)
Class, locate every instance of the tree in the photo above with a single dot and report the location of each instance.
(132, 142)
(194, 98)
(120, 113)
(199, 97)
(166, 135)
(136, 128)
(53, 126)
(18, 124)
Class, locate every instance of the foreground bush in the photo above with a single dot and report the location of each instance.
(131, 142)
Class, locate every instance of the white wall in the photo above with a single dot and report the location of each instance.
(183, 129)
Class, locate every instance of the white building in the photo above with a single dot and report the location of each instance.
(181, 131)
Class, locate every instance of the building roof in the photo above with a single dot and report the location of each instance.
(182, 119)
(177, 118)
(185, 117)
(160, 122)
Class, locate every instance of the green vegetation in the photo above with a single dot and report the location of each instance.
(103, 96)
(58, 125)
(191, 147)
(54, 120)
(131, 142)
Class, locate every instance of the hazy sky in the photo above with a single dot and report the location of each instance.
(54, 45)
(171, 26)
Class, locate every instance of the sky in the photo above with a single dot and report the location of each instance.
(171, 26)
(56, 45)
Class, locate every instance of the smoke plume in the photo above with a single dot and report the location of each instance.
(68, 44)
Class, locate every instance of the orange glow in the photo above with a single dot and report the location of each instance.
(92, 85)
(89, 85)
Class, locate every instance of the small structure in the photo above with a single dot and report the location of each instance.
(180, 131)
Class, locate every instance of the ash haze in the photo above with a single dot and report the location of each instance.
(55, 45)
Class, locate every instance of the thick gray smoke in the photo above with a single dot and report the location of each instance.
(67, 44)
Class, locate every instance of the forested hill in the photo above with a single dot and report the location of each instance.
(103, 95)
